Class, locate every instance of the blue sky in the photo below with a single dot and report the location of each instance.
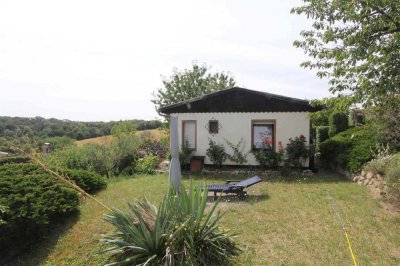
(101, 60)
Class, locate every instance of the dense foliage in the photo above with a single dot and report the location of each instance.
(322, 134)
(385, 120)
(338, 122)
(216, 153)
(267, 157)
(356, 44)
(349, 149)
(43, 128)
(179, 232)
(32, 199)
(185, 155)
(238, 156)
(147, 165)
(297, 151)
(190, 83)
(89, 181)
(107, 159)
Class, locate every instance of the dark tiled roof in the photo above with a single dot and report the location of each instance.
(240, 100)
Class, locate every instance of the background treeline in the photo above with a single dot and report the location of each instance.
(42, 127)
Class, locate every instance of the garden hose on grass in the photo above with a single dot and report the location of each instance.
(333, 206)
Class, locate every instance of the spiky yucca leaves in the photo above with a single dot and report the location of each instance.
(179, 232)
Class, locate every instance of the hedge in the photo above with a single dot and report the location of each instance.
(338, 122)
(350, 149)
(322, 134)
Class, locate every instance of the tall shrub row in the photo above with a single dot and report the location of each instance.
(338, 122)
(350, 149)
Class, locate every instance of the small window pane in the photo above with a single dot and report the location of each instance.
(213, 126)
(262, 134)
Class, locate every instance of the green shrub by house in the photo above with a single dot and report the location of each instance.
(338, 122)
(185, 154)
(216, 152)
(350, 149)
(322, 134)
(268, 158)
(297, 151)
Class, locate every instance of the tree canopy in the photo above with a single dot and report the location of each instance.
(356, 45)
(190, 83)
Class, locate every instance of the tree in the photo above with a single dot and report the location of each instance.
(190, 83)
(124, 127)
(356, 44)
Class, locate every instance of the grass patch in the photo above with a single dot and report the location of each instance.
(281, 223)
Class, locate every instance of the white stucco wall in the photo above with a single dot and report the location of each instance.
(235, 126)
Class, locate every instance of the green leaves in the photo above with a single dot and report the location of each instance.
(179, 232)
(190, 83)
(356, 44)
(216, 153)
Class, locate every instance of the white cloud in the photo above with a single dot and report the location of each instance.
(101, 60)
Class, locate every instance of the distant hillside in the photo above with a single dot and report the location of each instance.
(155, 133)
(43, 128)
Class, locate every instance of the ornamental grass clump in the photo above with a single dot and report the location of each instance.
(178, 232)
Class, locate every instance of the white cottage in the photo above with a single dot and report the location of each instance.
(239, 114)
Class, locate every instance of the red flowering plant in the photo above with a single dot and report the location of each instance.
(266, 156)
(297, 151)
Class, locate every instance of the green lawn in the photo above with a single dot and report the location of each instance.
(280, 223)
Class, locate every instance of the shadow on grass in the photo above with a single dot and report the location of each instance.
(251, 199)
(35, 251)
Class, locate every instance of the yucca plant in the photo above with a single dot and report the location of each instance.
(179, 232)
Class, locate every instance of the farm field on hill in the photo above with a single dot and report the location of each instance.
(155, 133)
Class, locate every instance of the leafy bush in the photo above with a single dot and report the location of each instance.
(389, 167)
(350, 149)
(179, 232)
(216, 153)
(88, 180)
(108, 159)
(268, 158)
(147, 164)
(297, 151)
(237, 156)
(185, 154)
(322, 134)
(33, 199)
(338, 122)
